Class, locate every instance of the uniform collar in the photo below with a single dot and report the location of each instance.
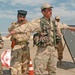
(47, 19)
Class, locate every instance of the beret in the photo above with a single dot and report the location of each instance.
(22, 12)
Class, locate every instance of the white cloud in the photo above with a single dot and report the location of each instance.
(34, 3)
(66, 15)
(7, 14)
(27, 2)
(63, 10)
(73, 4)
(68, 4)
(4, 1)
(66, 12)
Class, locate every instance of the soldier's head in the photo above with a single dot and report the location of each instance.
(21, 15)
(57, 18)
(46, 10)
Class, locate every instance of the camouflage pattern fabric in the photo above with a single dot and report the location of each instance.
(25, 59)
(20, 52)
(60, 49)
(44, 61)
(42, 57)
(20, 61)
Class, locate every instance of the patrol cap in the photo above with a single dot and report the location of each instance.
(46, 5)
(22, 12)
(57, 17)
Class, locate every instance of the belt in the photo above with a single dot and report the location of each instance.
(46, 45)
(22, 43)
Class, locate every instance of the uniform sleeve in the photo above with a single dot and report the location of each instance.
(32, 26)
(0, 37)
(22, 28)
(35, 25)
(11, 27)
(65, 26)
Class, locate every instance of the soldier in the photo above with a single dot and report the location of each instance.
(60, 44)
(45, 59)
(1, 42)
(20, 55)
(1, 37)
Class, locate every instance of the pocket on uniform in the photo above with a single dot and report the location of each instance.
(14, 54)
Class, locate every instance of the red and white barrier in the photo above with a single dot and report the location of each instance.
(6, 57)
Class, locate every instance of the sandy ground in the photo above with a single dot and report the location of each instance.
(67, 67)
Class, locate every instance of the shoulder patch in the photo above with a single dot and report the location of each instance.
(13, 23)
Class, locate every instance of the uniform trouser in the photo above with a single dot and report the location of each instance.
(45, 61)
(1, 68)
(60, 50)
(20, 61)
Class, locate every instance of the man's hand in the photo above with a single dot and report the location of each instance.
(8, 35)
(72, 28)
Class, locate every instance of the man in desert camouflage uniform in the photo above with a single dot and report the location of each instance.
(60, 43)
(45, 59)
(59, 46)
(20, 54)
(1, 42)
(0, 37)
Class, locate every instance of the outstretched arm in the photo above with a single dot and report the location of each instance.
(11, 33)
(65, 26)
(32, 26)
(72, 28)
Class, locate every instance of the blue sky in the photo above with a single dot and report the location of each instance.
(8, 11)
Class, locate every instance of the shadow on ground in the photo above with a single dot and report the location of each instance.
(6, 72)
(66, 65)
